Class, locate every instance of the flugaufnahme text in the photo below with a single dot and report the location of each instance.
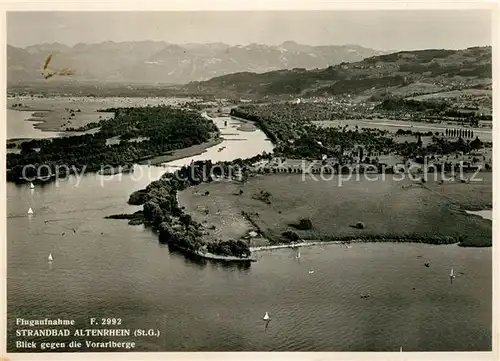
(44, 322)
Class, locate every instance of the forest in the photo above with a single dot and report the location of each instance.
(162, 211)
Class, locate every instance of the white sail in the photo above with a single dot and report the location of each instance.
(266, 317)
(30, 211)
(451, 273)
(50, 257)
(32, 185)
(298, 252)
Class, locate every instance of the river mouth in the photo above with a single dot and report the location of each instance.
(107, 268)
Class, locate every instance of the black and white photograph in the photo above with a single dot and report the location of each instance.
(249, 180)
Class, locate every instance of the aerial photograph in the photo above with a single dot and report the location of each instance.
(249, 181)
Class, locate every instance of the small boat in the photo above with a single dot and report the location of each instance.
(400, 348)
(266, 317)
(298, 252)
(452, 276)
(32, 186)
(30, 211)
(50, 257)
(311, 272)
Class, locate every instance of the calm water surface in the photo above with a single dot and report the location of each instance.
(486, 214)
(19, 127)
(105, 268)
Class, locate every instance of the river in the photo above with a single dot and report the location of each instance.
(105, 268)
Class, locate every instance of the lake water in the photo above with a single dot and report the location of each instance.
(19, 127)
(487, 214)
(105, 268)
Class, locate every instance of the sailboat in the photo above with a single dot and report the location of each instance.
(30, 211)
(298, 253)
(32, 186)
(452, 276)
(266, 317)
(50, 257)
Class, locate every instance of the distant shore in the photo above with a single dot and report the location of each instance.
(45, 122)
(58, 119)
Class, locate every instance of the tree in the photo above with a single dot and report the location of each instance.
(291, 236)
(419, 142)
(360, 225)
(153, 212)
(305, 224)
(476, 143)
(186, 220)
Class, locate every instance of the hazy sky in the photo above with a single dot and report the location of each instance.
(384, 30)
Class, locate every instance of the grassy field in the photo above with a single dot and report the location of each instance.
(393, 125)
(387, 207)
(221, 208)
(454, 94)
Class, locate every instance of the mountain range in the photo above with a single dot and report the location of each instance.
(150, 62)
(405, 73)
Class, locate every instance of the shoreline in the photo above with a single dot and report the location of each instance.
(39, 119)
(313, 243)
(380, 239)
(192, 151)
(54, 120)
(215, 257)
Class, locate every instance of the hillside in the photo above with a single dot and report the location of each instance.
(149, 62)
(406, 73)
